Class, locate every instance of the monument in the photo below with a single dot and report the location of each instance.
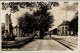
(8, 26)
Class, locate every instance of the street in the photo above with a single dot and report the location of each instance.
(63, 43)
(43, 45)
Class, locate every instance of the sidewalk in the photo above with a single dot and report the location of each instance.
(72, 39)
(52, 45)
(69, 41)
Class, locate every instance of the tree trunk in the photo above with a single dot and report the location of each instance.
(41, 34)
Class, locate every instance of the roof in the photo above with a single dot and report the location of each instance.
(64, 23)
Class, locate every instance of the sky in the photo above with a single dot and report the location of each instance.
(59, 13)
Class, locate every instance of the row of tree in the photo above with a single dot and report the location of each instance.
(74, 23)
(31, 5)
(40, 20)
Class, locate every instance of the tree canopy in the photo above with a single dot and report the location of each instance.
(74, 23)
(14, 6)
(27, 23)
(40, 20)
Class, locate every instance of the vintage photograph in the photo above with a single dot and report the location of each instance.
(39, 26)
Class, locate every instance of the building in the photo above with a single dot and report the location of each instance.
(63, 29)
(17, 31)
(53, 32)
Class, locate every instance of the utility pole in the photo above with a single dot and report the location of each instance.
(66, 10)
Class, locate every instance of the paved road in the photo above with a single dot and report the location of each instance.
(56, 43)
(46, 44)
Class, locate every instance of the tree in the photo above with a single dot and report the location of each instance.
(74, 23)
(45, 20)
(3, 28)
(40, 20)
(14, 6)
(26, 23)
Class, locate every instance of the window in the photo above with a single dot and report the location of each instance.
(65, 27)
(65, 32)
(18, 33)
(62, 28)
(62, 32)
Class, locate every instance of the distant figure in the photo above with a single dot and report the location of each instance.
(50, 35)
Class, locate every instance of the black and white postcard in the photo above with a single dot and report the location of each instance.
(39, 26)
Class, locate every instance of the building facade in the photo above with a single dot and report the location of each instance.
(17, 31)
(63, 29)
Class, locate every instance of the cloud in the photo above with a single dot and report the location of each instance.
(15, 15)
(60, 15)
(72, 7)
